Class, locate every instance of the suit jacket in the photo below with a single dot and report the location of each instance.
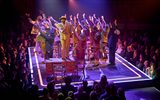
(112, 38)
(64, 30)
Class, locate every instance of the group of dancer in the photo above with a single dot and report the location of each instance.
(76, 32)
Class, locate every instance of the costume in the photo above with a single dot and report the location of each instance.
(75, 38)
(49, 40)
(96, 42)
(81, 46)
(103, 42)
(112, 41)
(40, 41)
(65, 32)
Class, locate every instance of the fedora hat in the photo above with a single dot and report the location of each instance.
(62, 17)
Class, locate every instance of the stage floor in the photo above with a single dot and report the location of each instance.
(122, 72)
(147, 93)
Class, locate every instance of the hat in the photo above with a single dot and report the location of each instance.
(63, 17)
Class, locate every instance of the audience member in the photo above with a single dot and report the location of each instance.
(67, 87)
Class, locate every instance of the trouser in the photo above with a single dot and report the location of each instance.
(37, 46)
(65, 48)
(49, 54)
(59, 49)
(40, 42)
(112, 55)
(43, 47)
(49, 49)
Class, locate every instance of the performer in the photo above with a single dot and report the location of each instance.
(79, 38)
(76, 32)
(65, 32)
(80, 50)
(84, 21)
(96, 42)
(81, 47)
(91, 29)
(40, 41)
(52, 22)
(103, 22)
(49, 35)
(104, 39)
(85, 24)
(112, 41)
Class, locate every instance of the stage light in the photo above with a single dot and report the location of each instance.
(72, 4)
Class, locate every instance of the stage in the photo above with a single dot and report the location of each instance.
(122, 72)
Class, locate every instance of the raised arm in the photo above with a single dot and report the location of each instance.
(30, 20)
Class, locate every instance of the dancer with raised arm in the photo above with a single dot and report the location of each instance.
(39, 40)
(65, 33)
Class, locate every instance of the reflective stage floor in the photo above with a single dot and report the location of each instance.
(122, 72)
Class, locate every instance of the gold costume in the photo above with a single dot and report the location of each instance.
(41, 41)
(65, 32)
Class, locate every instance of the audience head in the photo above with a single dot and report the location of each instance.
(121, 93)
(33, 89)
(85, 83)
(103, 79)
(112, 89)
(95, 83)
(50, 86)
(93, 96)
(80, 89)
(45, 91)
(146, 63)
(71, 94)
(67, 80)
(97, 88)
(61, 96)
(68, 98)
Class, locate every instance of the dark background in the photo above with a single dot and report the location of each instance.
(132, 14)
